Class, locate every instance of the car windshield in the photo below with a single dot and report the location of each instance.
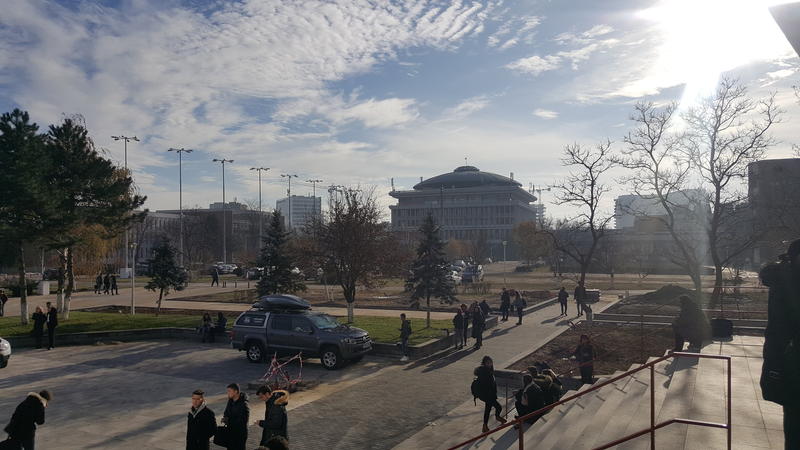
(324, 321)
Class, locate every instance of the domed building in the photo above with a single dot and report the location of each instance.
(470, 204)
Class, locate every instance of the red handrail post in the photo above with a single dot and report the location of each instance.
(730, 424)
(520, 435)
(652, 407)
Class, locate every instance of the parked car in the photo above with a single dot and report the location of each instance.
(5, 352)
(285, 324)
(50, 274)
(254, 273)
(472, 274)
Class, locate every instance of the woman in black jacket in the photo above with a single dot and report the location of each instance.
(39, 319)
(487, 391)
(236, 417)
(22, 427)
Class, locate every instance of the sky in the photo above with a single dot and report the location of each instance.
(358, 93)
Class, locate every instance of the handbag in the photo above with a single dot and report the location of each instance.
(223, 436)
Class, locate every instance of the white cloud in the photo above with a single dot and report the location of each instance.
(207, 179)
(514, 31)
(466, 108)
(534, 65)
(545, 113)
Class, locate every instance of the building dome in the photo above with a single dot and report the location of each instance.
(465, 177)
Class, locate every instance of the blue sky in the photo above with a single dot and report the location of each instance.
(357, 92)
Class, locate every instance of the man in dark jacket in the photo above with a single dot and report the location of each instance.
(580, 296)
(52, 323)
(405, 335)
(780, 373)
(22, 427)
(275, 422)
(505, 304)
(114, 287)
(562, 299)
(459, 324)
(585, 355)
(485, 308)
(236, 417)
(202, 423)
(478, 323)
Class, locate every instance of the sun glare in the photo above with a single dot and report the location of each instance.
(700, 39)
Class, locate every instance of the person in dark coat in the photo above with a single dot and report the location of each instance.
(505, 304)
(39, 320)
(459, 323)
(114, 288)
(98, 284)
(519, 304)
(585, 355)
(563, 296)
(487, 391)
(52, 323)
(478, 324)
(580, 296)
(405, 335)
(106, 284)
(207, 329)
(22, 427)
(214, 276)
(528, 399)
(201, 425)
(222, 322)
(276, 422)
(236, 417)
(485, 308)
(3, 301)
(691, 324)
(780, 373)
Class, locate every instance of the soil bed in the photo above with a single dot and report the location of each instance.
(747, 303)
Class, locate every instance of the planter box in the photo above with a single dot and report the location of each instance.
(93, 337)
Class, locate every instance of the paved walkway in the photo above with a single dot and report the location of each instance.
(384, 411)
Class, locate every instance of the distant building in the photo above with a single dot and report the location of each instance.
(469, 204)
(774, 201)
(298, 210)
(631, 209)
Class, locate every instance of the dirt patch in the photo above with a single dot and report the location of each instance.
(741, 302)
(617, 347)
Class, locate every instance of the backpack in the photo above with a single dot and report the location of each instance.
(475, 387)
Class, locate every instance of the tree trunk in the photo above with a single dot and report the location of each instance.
(428, 315)
(70, 274)
(23, 290)
(349, 292)
(349, 312)
(160, 296)
(62, 273)
(716, 295)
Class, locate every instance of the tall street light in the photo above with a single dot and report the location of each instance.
(224, 225)
(180, 152)
(289, 176)
(260, 214)
(314, 195)
(126, 139)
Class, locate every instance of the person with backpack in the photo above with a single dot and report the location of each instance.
(563, 296)
(478, 323)
(519, 306)
(505, 304)
(484, 387)
(405, 334)
(780, 373)
(459, 323)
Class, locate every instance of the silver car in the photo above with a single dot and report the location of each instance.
(5, 352)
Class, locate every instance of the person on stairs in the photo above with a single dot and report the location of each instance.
(485, 389)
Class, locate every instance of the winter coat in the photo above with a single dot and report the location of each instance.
(563, 296)
(780, 380)
(28, 414)
(238, 415)
(478, 322)
(485, 309)
(275, 422)
(39, 319)
(405, 329)
(52, 318)
(692, 323)
(519, 303)
(580, 294)
(460, 321)
(505, 300)
(486, 384)
(584, 354)
(113, 281)
(201, 426)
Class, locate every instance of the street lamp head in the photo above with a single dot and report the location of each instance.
(259, 168)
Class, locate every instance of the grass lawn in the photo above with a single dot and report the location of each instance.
(381, 329)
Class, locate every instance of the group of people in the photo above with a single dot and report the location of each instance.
(506, 304)
(202, 425)
(208, 329)
(41, 318)
(580, 299)
(476, 315)
(106, 284)
(540, 388)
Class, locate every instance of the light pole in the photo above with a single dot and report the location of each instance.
(180, 152)
(289, 176)
(133, 279)
(260, 214)
(314, 194)
(224, 225)
(505, 243)
(126, 139)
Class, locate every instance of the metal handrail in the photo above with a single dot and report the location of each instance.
(653, 425)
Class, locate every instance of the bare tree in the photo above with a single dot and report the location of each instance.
(725, 133)
(583, 189)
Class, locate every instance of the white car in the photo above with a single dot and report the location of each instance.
(5, 352)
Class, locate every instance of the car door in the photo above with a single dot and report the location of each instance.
(280, 333)
(304, 337)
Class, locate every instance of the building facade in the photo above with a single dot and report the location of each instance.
(774, 201)
(469, 204)
(298, 210)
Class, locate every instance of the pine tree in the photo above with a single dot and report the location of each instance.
(430, 271)
(166, 274)
(278, 277)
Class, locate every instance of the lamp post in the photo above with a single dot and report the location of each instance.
(126, 139)
(314, 194)
(224, 225)
(260, 214)
(180, 152)
(289, 176)
(505, 243)
(133, 279)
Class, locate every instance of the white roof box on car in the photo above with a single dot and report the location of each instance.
(282, 302)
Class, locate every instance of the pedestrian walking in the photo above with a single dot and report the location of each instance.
(484, 387)
(405, 334)
(114, 288)
(214, 277)
(780, 373)
(478, 323)
(22, 427)
(485, 308)
(3, 301)
(563, 296)
(580, 296)
(236, 417)
(519, 305)
(201, 425)
(39, 320)
(98, 283)
(505, 304)
(585, 355)
(276, 422)
(52, 323)
(207, 329)
(106, 284)
(459, 323)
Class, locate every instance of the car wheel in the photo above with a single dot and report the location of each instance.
(331, 358)
(255, 352)
(3, 362)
